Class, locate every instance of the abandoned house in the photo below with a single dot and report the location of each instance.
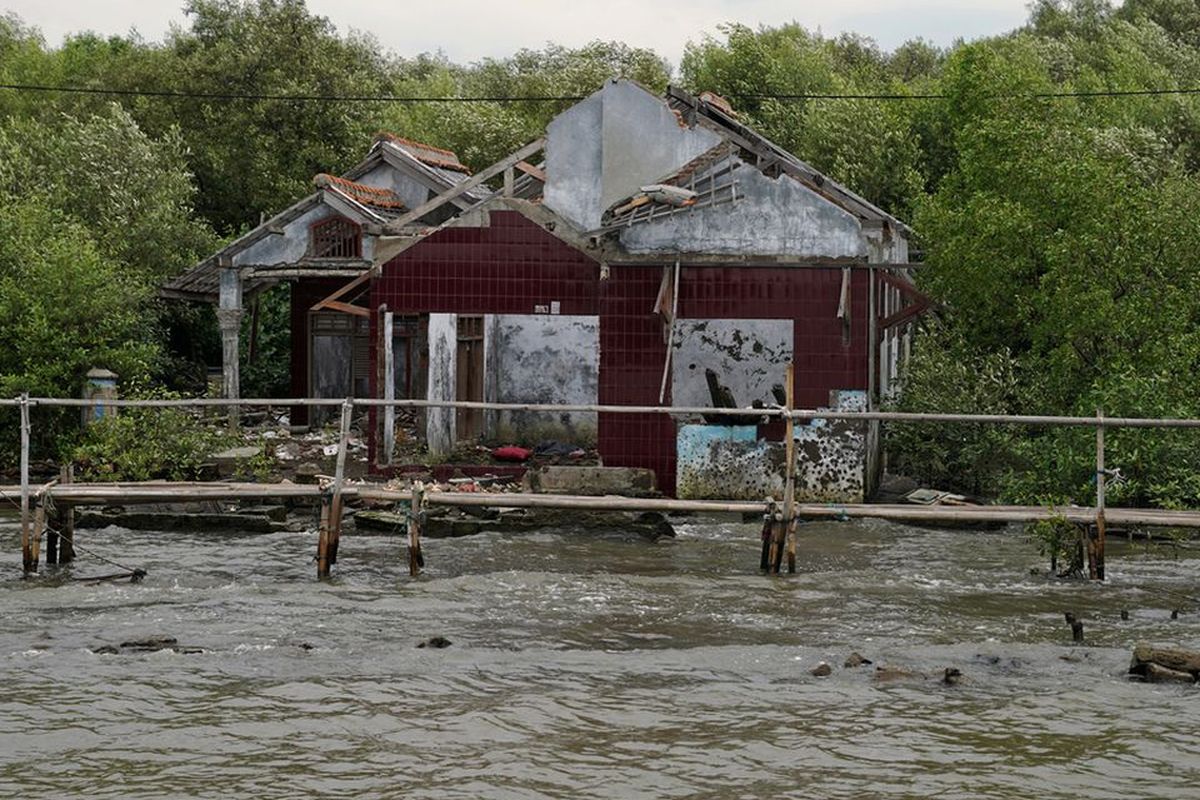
(659, 253)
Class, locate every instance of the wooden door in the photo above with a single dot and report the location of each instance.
(469, 377)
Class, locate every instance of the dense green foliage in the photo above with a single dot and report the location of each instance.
(1057, 231)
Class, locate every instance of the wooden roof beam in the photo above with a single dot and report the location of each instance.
(396, 225)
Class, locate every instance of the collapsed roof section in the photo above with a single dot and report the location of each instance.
(396, 175)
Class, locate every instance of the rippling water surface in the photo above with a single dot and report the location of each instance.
(593, 666)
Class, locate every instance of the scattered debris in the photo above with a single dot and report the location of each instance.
(1156, 665)
(952, 676)
(150, 644)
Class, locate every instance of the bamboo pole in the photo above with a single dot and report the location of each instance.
(789, 490)
(339, 479)
(1101, 525)
(416, 518)
(798, 414)
(26, 545)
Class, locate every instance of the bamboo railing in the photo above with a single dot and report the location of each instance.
(333, 497)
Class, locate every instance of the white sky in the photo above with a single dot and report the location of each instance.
(467, 30)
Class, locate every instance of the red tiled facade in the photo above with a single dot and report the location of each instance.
(513, 265)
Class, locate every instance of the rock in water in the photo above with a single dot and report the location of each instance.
(855, 660)
(821, 670)
(437, 642)
(1156, 674)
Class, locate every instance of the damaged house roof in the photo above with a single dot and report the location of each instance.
(708, 179)
(435, 168)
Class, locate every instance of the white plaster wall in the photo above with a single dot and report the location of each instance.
(443, 353)
(772, 216)
(409, 189)
(285, 248)
(604, 148)
(748, 355)
(540, 358)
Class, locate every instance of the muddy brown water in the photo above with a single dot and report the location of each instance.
(593, 666)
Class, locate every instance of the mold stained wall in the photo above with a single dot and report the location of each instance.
(771, 216)
(542, 358)
(749, 356)
(604, 148)
(287, 248)
(721, 461)
(443, 353)
(292, 245)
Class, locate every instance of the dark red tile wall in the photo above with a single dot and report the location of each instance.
(632, 350)
(506, 268)
(513, 265)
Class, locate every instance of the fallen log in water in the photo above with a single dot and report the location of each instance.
(1157, 665)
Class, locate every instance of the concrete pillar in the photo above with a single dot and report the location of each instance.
(443, 357)
(229, 318)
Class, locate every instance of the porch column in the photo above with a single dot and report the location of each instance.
(229, 317)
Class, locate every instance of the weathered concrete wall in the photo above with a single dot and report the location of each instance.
(831, 455)
(443, 353)
(748, 355)
(728, 462)
(772, 216)
(287, 248)
(540, 358)
(731, 462)
(604, 148)
(409, 189)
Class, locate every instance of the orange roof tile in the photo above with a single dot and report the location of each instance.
(426, 153)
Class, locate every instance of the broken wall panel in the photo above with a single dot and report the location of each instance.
(771, 216)
(733, 461)
(748, 356)
(728, 461)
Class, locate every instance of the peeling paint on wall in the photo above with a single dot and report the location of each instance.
(728, 462)
(718, 461)
(831, 455)
(443, 352)
(749, 356)
(552, 359)
(772, 216)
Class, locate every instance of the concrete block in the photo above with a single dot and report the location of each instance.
(629, 481)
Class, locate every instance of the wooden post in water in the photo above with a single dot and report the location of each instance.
(39, 527)
(416, 516)
(1098, 558)
(26, 544)
(789, 491)
(339, 478)
(323, 537)
(66, 520)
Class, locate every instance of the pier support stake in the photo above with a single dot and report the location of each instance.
(416, 517)
(26, 540)
(1096, 561)
(323, 537)
(789, 491)
(339, 479)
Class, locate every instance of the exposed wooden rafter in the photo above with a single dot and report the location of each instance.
(396, 225)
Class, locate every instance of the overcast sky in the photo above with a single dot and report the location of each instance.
(467, 30)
